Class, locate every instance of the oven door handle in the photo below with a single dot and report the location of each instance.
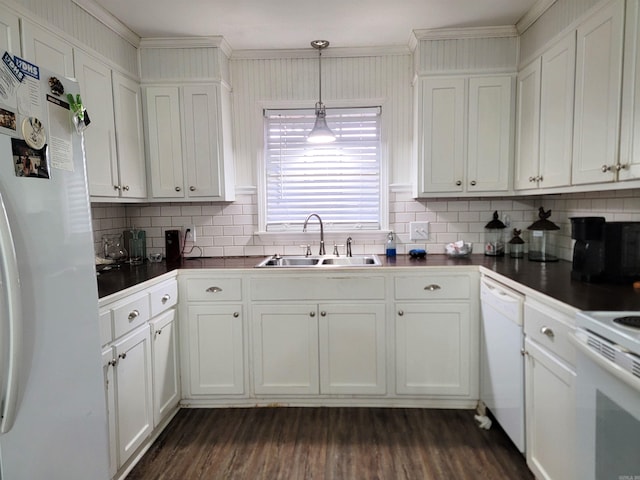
(615, 370)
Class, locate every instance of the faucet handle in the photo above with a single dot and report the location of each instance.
(307, 248)
(335, 249)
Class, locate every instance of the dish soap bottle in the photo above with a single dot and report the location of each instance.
(391, 245)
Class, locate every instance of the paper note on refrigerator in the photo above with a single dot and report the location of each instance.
(60, 146)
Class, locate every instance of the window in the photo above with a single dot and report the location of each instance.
(340, 181)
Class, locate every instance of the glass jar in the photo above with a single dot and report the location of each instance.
(112, 247)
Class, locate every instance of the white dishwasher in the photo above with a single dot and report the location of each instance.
(501, 358)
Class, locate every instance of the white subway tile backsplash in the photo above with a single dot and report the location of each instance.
(229, 229)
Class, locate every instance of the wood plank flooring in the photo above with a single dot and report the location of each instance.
(330, 443)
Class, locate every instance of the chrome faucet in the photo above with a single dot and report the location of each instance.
(349, 254)
(304, 229)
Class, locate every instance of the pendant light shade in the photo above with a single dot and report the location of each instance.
(320, 133)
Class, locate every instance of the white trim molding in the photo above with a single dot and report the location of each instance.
(460, 33)
(338, 52)
(533, 14)
(97, 11)
(214, 41)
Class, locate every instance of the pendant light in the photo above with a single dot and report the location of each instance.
(320, 133)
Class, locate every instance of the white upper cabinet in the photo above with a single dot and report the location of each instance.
(490, 144)
(528, 127)
(545, 118)
(129, 137)
(630, 120)
(9, 33)
(597, 95)
(94, 79)
(189, 142)
(46, 49)
(440, 135)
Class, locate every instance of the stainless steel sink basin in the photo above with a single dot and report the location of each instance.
(319, 261)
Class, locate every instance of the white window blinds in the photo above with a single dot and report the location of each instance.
(338, 181)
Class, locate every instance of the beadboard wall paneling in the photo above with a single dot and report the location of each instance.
(493, 54)
(80, 25)
(293, 82)
(180, 63)
(552, 23)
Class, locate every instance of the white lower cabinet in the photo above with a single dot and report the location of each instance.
(549, 391)
(434, 349)
(133, 386)
(215, 352)
(166, 379)
(285, 349)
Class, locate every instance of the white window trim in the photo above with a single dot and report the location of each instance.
(362, 235)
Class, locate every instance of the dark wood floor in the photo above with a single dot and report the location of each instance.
(330, 443)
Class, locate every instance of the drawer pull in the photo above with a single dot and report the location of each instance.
(122, 356)
(133, 315)
(236, 314)
(214, 289)
(312, 314)
(400, 312)
(323, 314)
(547, 331)
(165, 298)
(433, 287)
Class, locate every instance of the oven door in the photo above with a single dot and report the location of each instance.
(608, 411)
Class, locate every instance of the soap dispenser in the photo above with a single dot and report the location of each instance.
(391, 245)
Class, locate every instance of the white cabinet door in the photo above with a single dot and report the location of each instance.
(285, 349)
(434, 349)
(556, 113)
(202, 128)
(9, 33)
(216, 352)
(490, 142)
(441, 135)
(630, 120)
(164, 141)
(597, 102)
(129, 137)
(528, 127)
(550, 414)
(166, 380)
(94, 78)
(352, 349)
(133, 391)
(108, 364)
(46, 49)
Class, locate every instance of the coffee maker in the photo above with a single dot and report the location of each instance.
(589, 248)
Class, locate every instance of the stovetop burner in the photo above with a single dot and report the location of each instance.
(632, 321)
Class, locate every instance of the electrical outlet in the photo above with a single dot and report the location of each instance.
(189, 232)
(419, 231)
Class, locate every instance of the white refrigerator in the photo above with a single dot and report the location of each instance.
(54, 421)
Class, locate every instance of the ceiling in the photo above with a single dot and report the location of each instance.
(292, 24)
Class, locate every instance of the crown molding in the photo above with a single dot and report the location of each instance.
(336, 52)
(97, 11)
(214, 41)
(533, 14)
(459, 33)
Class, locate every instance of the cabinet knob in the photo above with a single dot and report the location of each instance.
(214, 289)
(547, 331)
(112, 363)
(133, 315)
(540, 179)
(473, 183)
(192, 188)
(122, 356)
(178, 189)
(605, 168)
(126, 188)
(165, 298)
(400, 312)
(433, 287)
(532, 179)
(323, 314)
(458, 183)
(236, 314)
(622, 166)
(117, 187)
(158, 332)
(312, 314)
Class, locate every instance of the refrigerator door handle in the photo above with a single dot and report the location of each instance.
(10, 324)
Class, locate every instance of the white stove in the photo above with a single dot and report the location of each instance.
(607, 394)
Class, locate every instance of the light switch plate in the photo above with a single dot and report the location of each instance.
(419, 231)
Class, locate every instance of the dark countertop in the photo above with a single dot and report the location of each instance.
(552, 279)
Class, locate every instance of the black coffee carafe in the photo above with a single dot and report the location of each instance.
(589, 248)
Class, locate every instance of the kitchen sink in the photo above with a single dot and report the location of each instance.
(319, 261)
